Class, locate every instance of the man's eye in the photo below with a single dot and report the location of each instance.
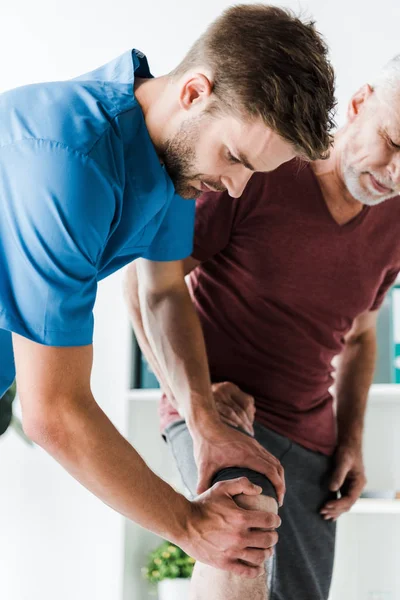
(232, 158)
(395, 146)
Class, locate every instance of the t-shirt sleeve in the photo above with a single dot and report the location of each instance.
(388, 281)
(215, 213)
(56, 210)
(174, 238)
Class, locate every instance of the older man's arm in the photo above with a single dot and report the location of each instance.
(355, 372)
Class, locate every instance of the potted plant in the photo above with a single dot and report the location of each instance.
(170, 568)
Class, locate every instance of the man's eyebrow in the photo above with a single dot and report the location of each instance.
(245, 161)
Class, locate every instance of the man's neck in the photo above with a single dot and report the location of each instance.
(150, 93)
(341, 204)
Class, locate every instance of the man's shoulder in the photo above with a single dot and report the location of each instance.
(70, 113)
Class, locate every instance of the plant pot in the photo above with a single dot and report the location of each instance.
(173, 589)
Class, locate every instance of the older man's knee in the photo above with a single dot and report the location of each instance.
(261, 502)
(266, 501)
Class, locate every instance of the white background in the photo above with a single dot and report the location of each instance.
(55, 539)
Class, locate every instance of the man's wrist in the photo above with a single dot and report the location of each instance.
(180, 527)
(200, 418)
(351, 440)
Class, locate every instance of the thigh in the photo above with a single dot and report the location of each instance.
(181, 445)
(303, 561)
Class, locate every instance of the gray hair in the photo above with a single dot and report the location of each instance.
(388, 80)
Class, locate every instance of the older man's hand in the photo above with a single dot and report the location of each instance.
(217, 446)
(234, 406)
(348, 478)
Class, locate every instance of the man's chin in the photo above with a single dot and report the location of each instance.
(188, 192)
(374, 201)
(368, 199)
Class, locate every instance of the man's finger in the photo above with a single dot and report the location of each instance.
(274, 472)
(228, 413)
(339, 506)
(241, 485)
(232, 423)
(265, 520)
(242, 416)
(228, 407)
(237, 418)
(255, 556)
(245, 401)
(339, 476)
(243, 570)
(204, 480)
(262, 539)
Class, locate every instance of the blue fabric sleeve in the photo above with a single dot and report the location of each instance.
(174, 238)
(56, 209)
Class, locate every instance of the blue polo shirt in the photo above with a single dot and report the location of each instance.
(82, 193)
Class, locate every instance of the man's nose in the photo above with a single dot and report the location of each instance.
(236, 183)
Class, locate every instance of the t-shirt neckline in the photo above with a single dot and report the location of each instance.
(355, 222)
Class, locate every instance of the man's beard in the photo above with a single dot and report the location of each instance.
(179, 157)
(361, 193)
(352, 179)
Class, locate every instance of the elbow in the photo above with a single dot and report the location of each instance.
(43, 429)
(361, 339)
(176, 294)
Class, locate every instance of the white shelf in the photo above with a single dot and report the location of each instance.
(375, 506)
(147, 394)
(384, 392)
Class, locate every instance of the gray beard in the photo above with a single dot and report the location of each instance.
(352, 182)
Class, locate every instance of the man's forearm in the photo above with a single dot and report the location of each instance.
(131, 294)
(354, 377)
(172, 342)
(173, 329)
(88, 446)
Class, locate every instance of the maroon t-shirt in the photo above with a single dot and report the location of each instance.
(279, 286)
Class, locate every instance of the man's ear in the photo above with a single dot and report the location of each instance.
(195, 89)
(358, 101)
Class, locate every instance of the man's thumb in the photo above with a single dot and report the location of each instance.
(338, 477)
(203, 482)
(242, 485)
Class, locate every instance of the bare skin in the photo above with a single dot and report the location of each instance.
(214, 584)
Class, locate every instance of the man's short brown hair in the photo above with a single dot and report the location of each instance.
(268, 63)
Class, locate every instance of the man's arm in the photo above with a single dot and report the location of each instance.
(164, 319)
(61, 415)
(131, 294)
(354, 376)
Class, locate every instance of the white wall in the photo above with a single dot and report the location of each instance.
(55, 539)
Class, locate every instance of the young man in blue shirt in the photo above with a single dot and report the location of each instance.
(90, 172)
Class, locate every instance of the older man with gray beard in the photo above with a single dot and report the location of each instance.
(284, 279)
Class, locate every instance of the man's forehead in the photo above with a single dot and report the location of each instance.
(388, 108)
(391, 124)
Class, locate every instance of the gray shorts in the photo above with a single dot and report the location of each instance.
(303, 562)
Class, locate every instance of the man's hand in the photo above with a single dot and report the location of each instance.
(234, 406)
(222, 534)
(217, 446)
(348, 478)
